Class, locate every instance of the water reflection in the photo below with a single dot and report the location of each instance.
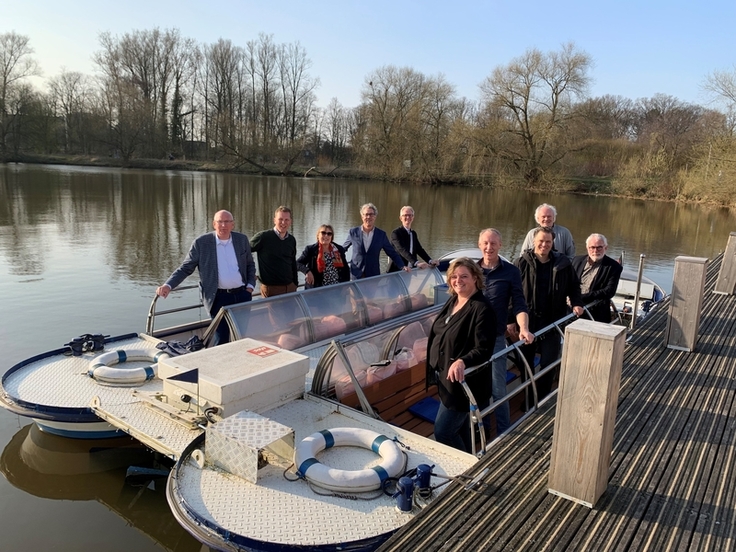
(52, 467)
(142, 222)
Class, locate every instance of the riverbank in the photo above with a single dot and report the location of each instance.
(602, 187)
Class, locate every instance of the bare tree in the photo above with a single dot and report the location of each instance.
(721, 86)
(70, 93)
(532, 100)
(16, 64)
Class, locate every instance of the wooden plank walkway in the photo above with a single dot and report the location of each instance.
(672, 479)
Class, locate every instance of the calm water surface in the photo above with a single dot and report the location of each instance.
(82, 250)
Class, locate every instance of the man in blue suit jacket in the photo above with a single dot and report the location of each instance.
(227, 272)
(367, 242)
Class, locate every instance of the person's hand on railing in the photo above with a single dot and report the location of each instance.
(163, 291)
(526, 336)
(456, 372)
(578, 311)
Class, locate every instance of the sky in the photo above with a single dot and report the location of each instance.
(639, 48)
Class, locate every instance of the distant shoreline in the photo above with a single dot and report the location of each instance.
(312, 172)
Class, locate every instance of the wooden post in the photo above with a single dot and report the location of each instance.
(686, 301)
(726, 282)
(587, 398)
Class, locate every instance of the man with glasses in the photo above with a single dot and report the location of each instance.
(598, 275)
(227, 273)
(367, 242)
(406, 243)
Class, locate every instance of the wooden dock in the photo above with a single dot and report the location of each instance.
(672, 478)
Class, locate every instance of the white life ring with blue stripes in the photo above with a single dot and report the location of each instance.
(392, 465)
(101, 367)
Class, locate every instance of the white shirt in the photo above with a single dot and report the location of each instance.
(367, 238)
(228, 273)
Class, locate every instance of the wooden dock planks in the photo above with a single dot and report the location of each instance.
(672, 478)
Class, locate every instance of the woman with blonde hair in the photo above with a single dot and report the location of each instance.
(462, 336)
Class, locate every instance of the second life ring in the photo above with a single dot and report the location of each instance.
(101, 367)
(392, 465)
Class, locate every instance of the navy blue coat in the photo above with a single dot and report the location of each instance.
(364, 264)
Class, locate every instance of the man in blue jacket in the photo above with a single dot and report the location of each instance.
(367, 242)
(227, 273)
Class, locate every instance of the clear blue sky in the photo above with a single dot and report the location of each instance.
(640, 48)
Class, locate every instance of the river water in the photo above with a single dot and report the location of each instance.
(82, 250)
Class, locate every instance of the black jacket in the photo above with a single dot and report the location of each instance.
(307, 262)
(470, 335)
(603, 286)
(564, 284)
(400, 241)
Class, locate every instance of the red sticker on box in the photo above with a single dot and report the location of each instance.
(263, 351)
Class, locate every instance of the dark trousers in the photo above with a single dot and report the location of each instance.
(224, 298)
(548, 347)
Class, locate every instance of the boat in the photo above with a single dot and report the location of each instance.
(55, 388)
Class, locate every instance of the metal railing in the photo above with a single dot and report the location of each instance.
(477, 414)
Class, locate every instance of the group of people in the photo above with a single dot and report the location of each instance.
(492, 298)
(227, 271)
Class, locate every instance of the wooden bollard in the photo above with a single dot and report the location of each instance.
(686, 301)
(590, 374)
(726, 282)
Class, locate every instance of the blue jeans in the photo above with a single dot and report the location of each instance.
(451, 427)
(498, 387)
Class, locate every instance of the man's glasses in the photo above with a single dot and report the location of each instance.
(596, 247)
(369, 214)
(325, 233)
(223, 221)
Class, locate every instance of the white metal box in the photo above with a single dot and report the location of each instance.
(243, 375)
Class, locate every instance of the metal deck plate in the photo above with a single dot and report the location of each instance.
(63, 381)
(279, 511)
(152, 428)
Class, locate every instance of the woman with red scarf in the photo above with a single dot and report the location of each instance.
(324, 263)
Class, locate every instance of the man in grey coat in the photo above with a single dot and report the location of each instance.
(227, 272)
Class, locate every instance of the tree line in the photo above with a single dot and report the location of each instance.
(158, 95)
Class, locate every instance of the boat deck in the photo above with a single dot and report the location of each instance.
(671, 484)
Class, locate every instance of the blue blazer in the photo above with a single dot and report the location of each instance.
(203, 256)
(367, 263)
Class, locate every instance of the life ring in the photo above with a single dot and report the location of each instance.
(101, 366)
(369, 479)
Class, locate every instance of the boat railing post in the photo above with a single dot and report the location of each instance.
(635, 309)
(590, 373)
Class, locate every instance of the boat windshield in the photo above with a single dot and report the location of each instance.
(298, 319)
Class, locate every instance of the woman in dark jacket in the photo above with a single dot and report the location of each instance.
(324, 263)
(462, 336)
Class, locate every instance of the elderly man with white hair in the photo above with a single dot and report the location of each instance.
(546, 215)
(598, 275)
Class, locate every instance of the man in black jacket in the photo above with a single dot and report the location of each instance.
(548, 280)
(598, 275)
(406, 243)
